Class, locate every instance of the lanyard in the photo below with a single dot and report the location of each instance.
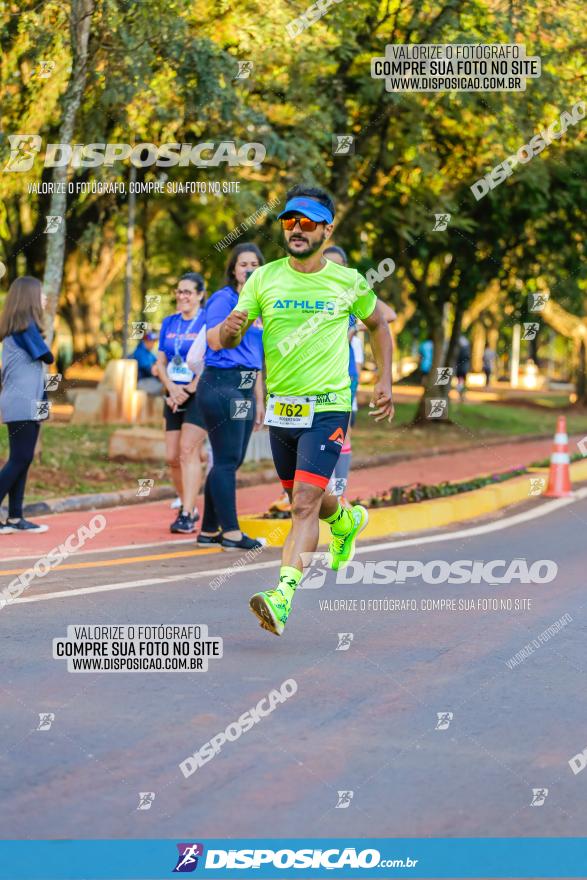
(179, 337)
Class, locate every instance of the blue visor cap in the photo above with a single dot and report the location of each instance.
(309, 208)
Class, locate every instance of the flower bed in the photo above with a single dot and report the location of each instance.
(399, 495)
(415, 492)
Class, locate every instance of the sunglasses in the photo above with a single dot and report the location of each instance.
(306, 225)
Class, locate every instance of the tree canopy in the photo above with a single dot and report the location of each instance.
(168, 72)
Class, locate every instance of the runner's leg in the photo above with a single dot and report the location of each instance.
(306, 506)
(311, 454)
(316, 451)
(340, 477)
(272, 607)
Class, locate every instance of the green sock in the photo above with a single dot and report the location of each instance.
(340, 522)
(289, 578)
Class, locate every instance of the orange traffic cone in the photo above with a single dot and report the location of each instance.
(559, 477)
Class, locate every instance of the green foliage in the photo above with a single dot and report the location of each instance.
(166, 71)
(398, 495)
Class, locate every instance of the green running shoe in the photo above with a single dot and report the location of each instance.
(272, 609)
(342, 547)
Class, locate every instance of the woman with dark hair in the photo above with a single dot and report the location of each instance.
(23, 395)
(184, 434)
(230, 399)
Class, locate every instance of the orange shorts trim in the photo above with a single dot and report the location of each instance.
(314, 479)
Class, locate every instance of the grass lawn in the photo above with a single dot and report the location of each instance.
(74, 459)
(472, 422)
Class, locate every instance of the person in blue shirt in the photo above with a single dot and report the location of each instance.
(184, 435)
(146, 360)
(230, 399)
(426, 352)
(23, 399)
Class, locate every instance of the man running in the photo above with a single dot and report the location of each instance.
(305, 301)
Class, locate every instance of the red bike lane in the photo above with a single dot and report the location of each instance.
(147, 525)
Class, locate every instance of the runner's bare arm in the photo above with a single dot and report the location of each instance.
(260, 401)
(389, 314)
(382, 346)
(230, 332)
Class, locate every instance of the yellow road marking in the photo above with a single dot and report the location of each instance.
(126, 560)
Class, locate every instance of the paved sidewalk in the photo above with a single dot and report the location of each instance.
(148, 524)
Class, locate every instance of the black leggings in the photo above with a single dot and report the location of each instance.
(22, 439)
(223, 405)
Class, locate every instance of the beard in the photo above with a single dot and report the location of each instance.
(309, 250)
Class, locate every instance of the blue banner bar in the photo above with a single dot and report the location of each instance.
(224, 859)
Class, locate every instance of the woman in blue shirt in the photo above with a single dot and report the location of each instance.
(184, 435)
(23, 397)
(230, 399)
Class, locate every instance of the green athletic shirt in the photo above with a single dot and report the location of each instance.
(305, 328)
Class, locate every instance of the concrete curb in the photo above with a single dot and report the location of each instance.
(97, 501)
(397, 521)
(125, 497)
(101, 500)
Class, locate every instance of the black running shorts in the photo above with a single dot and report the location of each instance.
(308, 455)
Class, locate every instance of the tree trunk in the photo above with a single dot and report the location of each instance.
(80, 22)
(438, 384)
(130, 237)
(432, 390)
(581, 379)
(477, 346)
(453, 345)
(533, 351)
(85, 283)
(145, 254)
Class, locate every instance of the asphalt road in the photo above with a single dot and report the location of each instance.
(363, 719)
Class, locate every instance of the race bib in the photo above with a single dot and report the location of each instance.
(179, 372)
(290, 412)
